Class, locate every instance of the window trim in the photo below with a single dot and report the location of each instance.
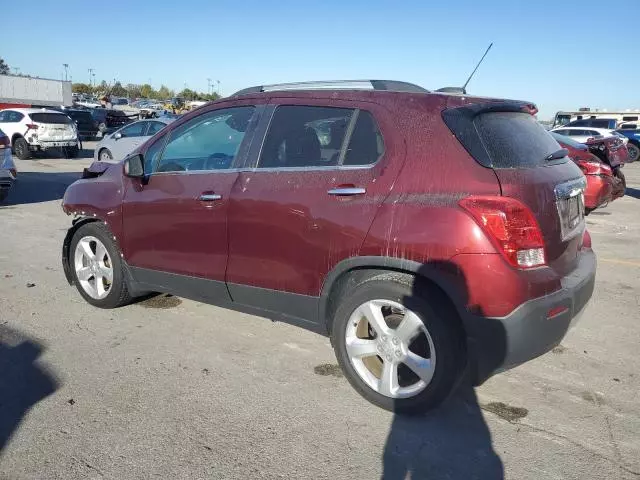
(266, 125)
(239, 159)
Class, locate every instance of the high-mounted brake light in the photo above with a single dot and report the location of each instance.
(511, 226)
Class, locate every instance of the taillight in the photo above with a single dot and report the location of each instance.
(4, 142)
(32, 126)
(591, 167)
(586, 239)
(511, 226)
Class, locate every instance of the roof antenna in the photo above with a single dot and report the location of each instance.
(463, 89)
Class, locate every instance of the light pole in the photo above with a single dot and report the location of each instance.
(66, 71)
(90, 74)
(208, 86)
(218, 91)
(94, 78)
(16, 70)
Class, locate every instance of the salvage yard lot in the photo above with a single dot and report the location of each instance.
(171, 388)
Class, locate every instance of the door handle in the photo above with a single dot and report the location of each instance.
(210, 197)
(347, 191)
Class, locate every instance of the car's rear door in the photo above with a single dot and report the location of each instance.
(520, 152)
(175, 223)
(323, 170)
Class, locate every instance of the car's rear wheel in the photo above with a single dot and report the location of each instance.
(4, 193)
(21, 149)
(97, 267)
(395, 347)
(71, 152)
(634, 151)
(105, 155)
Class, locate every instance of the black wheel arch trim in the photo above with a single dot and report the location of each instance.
(434, 271)
(66, 244)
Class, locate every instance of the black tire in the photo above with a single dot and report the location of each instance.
(71, 152)
(444, 331)
(4, 193)
(118, 292)
(106, 153)
(634, 151)
(21, 149)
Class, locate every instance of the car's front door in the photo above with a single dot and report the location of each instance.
(131, 138)
(322, 173)
(175, 223)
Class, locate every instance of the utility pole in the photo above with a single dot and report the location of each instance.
(90, 74)
(66, 71)
(94, 78)
(16, 70)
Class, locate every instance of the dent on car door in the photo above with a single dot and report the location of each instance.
(175, 223)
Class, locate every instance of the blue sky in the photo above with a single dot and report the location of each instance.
(560, 54)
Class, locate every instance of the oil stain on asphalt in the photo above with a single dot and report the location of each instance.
(161, 301)
(507, 412)
(328, 369)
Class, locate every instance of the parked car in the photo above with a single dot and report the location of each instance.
(424, 232)
(631, 132)
(125, 140)
(38, 130)
(583, 134)
(8, 170)
(109, 120)
(599, 175)
(86, 125)
(606, 123)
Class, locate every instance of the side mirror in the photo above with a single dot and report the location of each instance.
(117, 135)
(134, 166)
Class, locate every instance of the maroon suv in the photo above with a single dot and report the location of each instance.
(424, 232)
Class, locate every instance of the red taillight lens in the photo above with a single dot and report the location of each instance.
(4, 141)
(590, 167)
(511, 226)
(586, 239)
(32, 126)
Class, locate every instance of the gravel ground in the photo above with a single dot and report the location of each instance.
(169, 388)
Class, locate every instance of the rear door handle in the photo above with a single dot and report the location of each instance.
(210, 197)
(347, 191)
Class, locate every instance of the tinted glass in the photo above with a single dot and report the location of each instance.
(568, 141)
(207, 142)
(155, 127)
(301, 136)
(134, 130)
(630, 119)
(579, 123)
(83, 117)
(628, 126)
(514, 139)
(366, 145)
(55, 118)
(576, 133)
(151, 154)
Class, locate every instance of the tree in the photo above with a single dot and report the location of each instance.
(118, 90)
(189, 94)
(147, 91)
(81, 88)
(164, 93)
(4, 68)
(134, 91)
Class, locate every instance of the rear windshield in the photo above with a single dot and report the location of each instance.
(514, 139)
(58, 118)
(81, 116)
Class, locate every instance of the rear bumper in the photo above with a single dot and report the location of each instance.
(44, 145)
(497, 344)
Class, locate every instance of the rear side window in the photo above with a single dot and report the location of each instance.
(54, 118)
(514, 139)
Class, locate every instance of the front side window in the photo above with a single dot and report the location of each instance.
(303, 136)
(209, 141)
(154, 127)
(134, 130)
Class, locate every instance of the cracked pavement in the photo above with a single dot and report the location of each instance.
(169, 388)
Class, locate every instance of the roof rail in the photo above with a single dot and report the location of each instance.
(391, 85)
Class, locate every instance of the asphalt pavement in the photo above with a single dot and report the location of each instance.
(170, 388)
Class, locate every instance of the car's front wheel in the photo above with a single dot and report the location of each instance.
(634, 152)
(97, 267)
(395, 346)
(21, 149)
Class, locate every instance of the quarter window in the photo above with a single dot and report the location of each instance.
(154, 127)
(209, 141)
(366, 145)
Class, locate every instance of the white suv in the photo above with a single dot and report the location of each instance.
(39, 129)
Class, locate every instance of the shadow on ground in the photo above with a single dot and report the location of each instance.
(452, 442)
(36, 187)
(23, 381)
(632, 192)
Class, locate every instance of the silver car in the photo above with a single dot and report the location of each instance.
(125, 140)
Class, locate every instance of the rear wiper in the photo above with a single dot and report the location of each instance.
(563, 152)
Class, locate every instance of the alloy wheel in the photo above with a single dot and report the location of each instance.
(634, 152)
(390, 348)
(93, 267)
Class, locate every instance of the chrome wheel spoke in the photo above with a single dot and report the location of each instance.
(85, 245)
(107, 273)
(409, 328)
(101, 251)
(388, 383)
(422, 367)
(360, 347)
(84, 274)
(372, 311)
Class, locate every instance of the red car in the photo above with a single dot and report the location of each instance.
(424, 232)
(604, 184)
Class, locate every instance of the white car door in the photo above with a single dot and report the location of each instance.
(10, 123)
(132, 136)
